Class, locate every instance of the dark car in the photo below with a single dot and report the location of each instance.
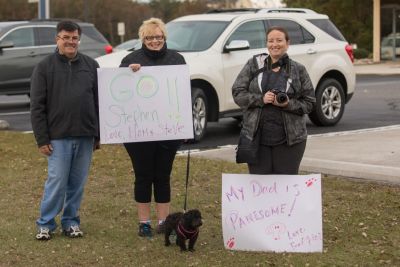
(25, 43)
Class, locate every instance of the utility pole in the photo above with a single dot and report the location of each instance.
(86, 10)
(44, 9)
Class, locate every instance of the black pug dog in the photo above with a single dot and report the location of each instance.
(186, 225)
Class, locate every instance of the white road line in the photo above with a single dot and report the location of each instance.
(361, 166)
(14, 113)
(367, 84)
(368, 130)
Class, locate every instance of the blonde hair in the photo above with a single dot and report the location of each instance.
(150, 25)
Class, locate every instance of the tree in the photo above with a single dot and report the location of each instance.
(192, 7)
(105, 14)
(17, 10)
(352, 17)
(165, 9)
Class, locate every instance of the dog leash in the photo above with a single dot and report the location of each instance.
(187, 179)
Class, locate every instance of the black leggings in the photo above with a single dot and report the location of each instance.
(280, 159)
(152, 164)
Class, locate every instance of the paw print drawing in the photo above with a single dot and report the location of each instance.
(231, 242)
(310, 182)
(276, 230)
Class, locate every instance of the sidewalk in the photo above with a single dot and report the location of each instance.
(365, 67)
(372, 154)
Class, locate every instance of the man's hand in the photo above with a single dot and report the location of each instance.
(46, 150)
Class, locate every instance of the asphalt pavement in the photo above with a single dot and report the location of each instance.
(372, 154)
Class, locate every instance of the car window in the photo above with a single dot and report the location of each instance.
(327, 26)
(192, 36)
(253, 31)
(21, 37)
(91, 35)
(297, 33)
(46, 35)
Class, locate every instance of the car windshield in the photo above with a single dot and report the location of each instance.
(192, 36)
(127, 45)
(388, 40)
(91, 35)
(5, 24)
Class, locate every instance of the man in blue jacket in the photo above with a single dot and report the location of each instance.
(64, 115)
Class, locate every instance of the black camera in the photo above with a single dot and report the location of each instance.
(281, 97)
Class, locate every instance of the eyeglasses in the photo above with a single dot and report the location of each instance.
(156, 37)
(74, 39)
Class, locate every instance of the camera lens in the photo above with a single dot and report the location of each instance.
(281, 97)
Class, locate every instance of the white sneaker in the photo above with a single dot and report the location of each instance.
(73, 231)
(43, 234)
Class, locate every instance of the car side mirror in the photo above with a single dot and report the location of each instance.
(6, 44)
(236, 45)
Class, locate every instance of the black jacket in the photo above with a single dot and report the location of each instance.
(64, 98)
(146, 57)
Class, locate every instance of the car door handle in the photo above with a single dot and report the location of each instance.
(311, 51)
(32, 54)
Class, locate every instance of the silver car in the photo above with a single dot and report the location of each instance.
(23, 44)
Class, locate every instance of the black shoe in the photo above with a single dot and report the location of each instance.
(73, 231)
(145, 230)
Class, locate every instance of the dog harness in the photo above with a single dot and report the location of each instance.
(186, 233)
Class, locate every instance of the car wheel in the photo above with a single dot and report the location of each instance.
(199, 102)
(330, 103)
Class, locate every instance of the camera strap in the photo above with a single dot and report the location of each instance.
(257, 72)
(283, 62)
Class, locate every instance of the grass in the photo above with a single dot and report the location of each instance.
(360, 219)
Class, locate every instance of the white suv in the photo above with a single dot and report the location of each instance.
(217, 45)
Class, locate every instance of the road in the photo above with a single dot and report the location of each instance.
(376, 103)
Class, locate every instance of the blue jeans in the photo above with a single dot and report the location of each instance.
(68, 168)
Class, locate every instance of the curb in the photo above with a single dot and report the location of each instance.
(351, 169)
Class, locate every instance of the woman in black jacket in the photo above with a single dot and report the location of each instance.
(152, 161)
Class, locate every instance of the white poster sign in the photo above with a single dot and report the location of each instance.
(272, 212)
(151, 104)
